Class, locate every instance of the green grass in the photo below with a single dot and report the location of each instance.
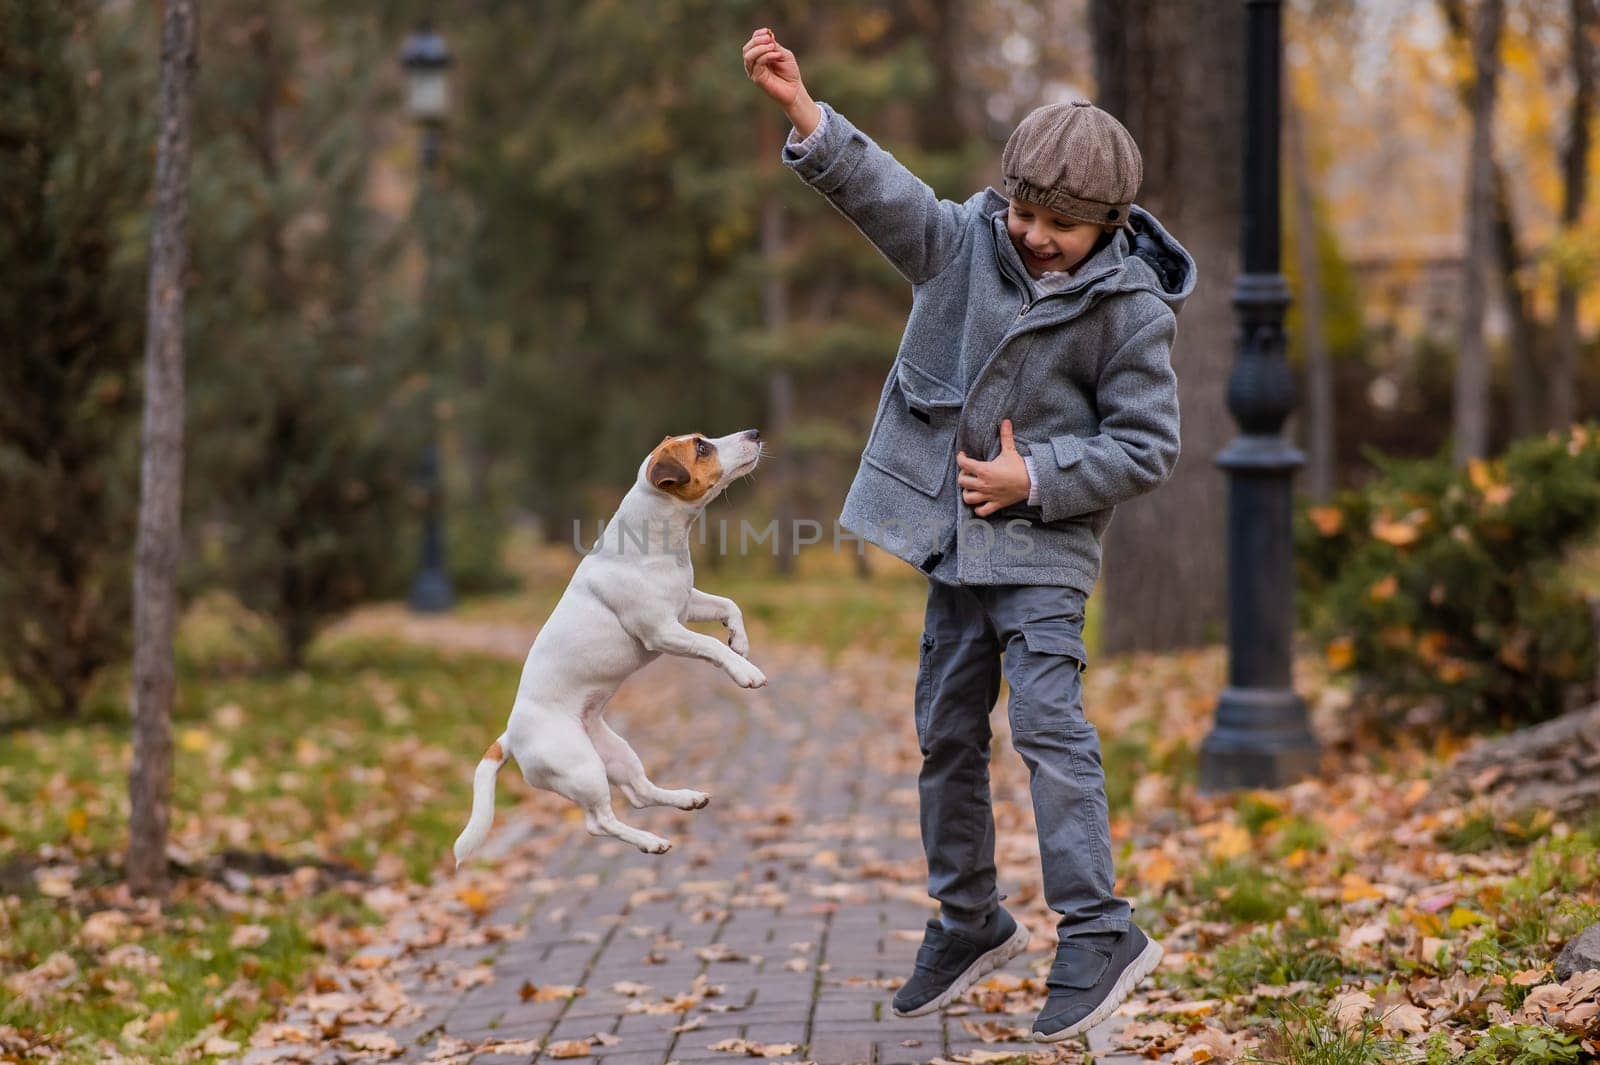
(1484, 832)
(1300, 1036)
(1241, 891)
(360, 754)
(192, 985)
(1516, 1044)
(364, 754)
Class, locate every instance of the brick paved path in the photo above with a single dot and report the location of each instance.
(798, 890)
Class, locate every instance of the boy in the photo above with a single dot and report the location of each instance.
(1032, 392)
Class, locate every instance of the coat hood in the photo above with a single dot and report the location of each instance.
(1170, 267)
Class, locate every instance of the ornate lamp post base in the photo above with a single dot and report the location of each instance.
(431, 592)
(1259, 740)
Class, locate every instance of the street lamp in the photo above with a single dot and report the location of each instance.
(1261, 737)
(426, 61)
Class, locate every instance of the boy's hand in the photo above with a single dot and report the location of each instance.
(999, 483)
(775, 69)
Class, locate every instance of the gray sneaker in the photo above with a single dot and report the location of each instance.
(950, 962)
(1091, 977)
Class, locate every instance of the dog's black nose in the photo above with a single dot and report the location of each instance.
(753, 434)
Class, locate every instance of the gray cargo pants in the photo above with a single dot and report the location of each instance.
(1040, 630)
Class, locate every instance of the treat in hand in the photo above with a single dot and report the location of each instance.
(774, 68)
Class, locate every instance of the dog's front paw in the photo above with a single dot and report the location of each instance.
(748, 676)
(655, 845)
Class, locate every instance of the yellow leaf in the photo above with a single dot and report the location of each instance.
(77, 821)
(1427, 923)
(1480, 474)
(1340, 653)
(1353, 888)
(194, 740)
(1232, 842)
(1461, 917)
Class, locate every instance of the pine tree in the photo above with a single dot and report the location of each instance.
(300, 374)
(74, 134)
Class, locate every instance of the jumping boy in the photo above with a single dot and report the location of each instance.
(1032, 392)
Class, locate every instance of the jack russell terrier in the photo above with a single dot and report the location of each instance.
(625, 605)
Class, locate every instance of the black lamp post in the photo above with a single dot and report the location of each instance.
(426, 61)
(1261, 737)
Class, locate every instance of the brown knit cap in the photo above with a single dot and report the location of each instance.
(1076, 160)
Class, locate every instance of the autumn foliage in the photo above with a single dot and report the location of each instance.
(1448, 587)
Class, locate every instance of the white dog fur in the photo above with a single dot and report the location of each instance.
(625, 605)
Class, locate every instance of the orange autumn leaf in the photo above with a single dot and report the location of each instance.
(1394, 533)
(474, 900)
(1329, 521)
(1340, 652)
(1354, 888)
(1159, 871)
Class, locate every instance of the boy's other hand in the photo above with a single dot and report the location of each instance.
(1000, 482)
(777, 72)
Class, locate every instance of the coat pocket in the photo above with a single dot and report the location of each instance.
(913, 439)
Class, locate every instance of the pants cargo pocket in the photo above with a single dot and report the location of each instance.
(1046, 686)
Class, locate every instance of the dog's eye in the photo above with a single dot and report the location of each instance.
(701, 448)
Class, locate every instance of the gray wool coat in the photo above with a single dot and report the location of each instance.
(1084, 374)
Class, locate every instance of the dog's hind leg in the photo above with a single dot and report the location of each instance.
(568, 764)
(624, 769)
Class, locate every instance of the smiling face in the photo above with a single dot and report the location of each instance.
(696, 468)
(1048, 241)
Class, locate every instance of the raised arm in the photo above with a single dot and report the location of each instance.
(894, 209)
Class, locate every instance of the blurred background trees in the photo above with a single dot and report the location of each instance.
(618, 255)
(76, 126)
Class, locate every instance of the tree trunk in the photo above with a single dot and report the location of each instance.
(1524, 364)
(1319, 371)
(1562, 394)
(155, 591)
(1158, 70)
(1471, 413)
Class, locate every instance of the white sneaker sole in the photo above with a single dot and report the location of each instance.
(986, 964)
(1142, 966)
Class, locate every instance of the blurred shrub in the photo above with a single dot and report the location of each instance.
(74, 161)
(475, 540)
(308, 403)
(1433, 583)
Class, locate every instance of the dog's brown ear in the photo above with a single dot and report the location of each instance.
(667, 472)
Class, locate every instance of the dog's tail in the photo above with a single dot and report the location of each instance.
(482, 816)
